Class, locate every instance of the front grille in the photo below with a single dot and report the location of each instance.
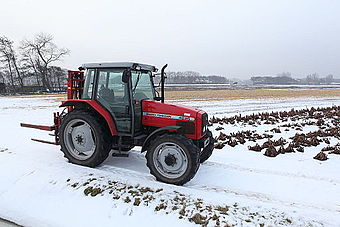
(186, 127)
(204, 122)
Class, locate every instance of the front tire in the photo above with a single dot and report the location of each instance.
(84, 138)
(207, 151)
(173, 159)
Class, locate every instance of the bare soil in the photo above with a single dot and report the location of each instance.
(231, 94)
(250, 94)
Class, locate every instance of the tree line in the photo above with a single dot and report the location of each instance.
(30, 64)
(285, 78)
(191, 77)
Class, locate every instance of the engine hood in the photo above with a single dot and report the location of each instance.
(170, 109)
(157, 114)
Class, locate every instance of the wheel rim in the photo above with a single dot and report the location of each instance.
(170, 160)
(79, 139)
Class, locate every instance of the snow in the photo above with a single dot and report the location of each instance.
(38, 187)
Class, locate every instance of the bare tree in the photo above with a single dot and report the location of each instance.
(58, 76)
(284, 74)
(2, 77)
(313, 78)
(329, 79)
(43, 52)
(29, 64)
(8, 57)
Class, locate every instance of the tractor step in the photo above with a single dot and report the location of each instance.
(138, 140)
(125, 155)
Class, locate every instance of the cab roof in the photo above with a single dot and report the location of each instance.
(132, 65)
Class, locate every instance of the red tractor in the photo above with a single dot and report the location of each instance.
(116, 106)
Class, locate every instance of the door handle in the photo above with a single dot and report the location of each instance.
(127, 109)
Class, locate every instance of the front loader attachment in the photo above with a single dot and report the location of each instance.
(54, 128)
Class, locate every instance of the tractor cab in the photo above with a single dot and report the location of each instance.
(120, 88)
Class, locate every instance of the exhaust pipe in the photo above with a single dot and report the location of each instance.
(162, 82)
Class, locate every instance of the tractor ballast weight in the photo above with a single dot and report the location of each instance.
(116, 106)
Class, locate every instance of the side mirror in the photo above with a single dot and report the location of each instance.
(126, 76)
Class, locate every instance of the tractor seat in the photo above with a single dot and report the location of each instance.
(107, 94)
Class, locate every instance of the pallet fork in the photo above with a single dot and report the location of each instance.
(54, 128)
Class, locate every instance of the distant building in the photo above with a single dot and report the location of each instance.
(336, 81)
(280, 80)
(31, 88)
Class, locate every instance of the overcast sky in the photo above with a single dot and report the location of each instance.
(234, 38)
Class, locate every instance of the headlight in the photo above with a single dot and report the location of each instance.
(204, 122)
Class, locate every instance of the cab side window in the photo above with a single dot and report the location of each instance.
(89, 77)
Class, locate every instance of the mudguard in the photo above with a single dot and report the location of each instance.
(156, 132)
(96, 107)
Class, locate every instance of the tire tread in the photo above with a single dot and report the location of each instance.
(193, 152)
(105, 138)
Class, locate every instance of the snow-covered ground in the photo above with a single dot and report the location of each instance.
(38, 187)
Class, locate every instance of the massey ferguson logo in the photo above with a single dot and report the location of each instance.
(176, 117)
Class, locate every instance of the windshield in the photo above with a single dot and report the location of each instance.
(142, 87)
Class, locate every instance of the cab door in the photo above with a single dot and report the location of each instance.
(142, 89)
(114, 95)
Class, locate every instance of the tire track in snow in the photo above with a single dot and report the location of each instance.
(254, 196)
(212, 164)
(262, 197)
(270, 172)
(7, 223)
(126, 172)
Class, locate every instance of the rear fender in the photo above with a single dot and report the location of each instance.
(93, 105)
(157, 132)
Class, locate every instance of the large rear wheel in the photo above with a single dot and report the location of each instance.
(84, 138)
(173, 159)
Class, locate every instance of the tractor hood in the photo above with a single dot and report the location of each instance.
(159, 114)
(154, 107)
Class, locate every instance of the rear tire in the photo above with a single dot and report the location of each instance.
(173, 159)
(84, 138)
